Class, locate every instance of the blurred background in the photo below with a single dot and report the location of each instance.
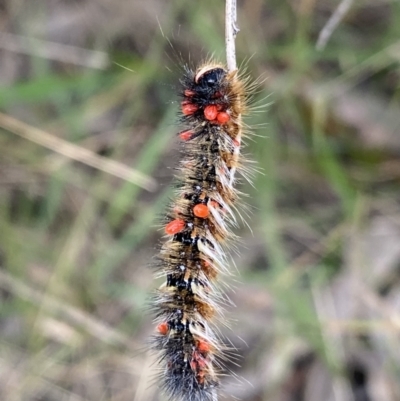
(88, 145)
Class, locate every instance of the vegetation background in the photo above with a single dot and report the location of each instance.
(88, 88)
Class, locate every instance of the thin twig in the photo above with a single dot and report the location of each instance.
(76, 152)
(332, 23)
(231, 31)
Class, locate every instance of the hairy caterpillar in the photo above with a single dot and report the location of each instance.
(198, 229)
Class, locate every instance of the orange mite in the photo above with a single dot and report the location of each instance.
(210, 112)
(162, 328)
(203, 346)
(223, 117)
(175, 226)
(201, 211)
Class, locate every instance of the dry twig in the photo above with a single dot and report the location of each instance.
(332, 23)
(76, 152)
(231, 31)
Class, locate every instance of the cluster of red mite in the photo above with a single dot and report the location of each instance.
(199, 361)
(193, 254)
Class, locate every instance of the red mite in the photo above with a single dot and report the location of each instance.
(175, 226)
(215, 204)
(223, 117)
(162, 328)
(185, 135)
(210, 112)
(188, 108)
(199, 366)
(189, 93)
(198, 362)
(203, 346)
(206, 263)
